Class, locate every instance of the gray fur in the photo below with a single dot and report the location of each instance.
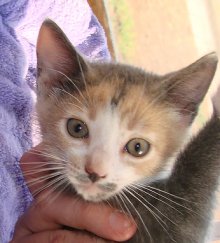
(195, 179)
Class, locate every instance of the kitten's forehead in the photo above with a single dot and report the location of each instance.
(109, 97)
(130, 103)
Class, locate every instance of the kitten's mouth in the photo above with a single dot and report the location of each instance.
(94, 192)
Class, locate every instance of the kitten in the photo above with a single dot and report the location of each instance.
(112, 130)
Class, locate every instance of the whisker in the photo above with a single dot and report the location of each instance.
(40, 179)
(176, 203)
(36, 171)
(49, 184)
(63, 182)
(153, 206)
(126, 207)
(159, 200)
(83, 78)
(72, 104)
(63, 90)
(119, 203)
(109, 204)
(180, 205)
(170, 194)
(41, 163)
(138, 214)
(157, 218)
(80, 93)
(60, 103)
(47, 155)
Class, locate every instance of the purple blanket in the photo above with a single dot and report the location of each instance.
(20, 21)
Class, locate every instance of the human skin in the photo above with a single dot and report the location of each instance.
(44, 220)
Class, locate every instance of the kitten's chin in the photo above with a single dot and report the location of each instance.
(92, 193)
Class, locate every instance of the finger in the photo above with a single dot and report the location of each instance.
(70, 211)
(59, 236)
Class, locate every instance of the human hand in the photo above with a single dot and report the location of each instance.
(44, 221)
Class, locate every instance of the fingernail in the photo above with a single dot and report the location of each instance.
(118, 221)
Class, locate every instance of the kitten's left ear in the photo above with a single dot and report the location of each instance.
(216, 102)
(187, 87)
(57, 59)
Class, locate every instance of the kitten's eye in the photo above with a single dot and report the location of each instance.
(137, 147)
(77, 128)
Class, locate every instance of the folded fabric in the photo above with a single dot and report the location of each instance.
(19, 24)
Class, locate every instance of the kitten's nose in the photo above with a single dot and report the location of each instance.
(92, 174)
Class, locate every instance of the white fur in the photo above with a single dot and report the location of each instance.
(105, 151)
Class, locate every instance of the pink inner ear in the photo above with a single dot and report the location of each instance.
(55, 54)
(47, 48)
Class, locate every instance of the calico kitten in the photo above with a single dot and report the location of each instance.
(113, 129)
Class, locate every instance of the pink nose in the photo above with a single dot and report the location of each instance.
(92, 174)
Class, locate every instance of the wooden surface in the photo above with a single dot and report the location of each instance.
(99, 9)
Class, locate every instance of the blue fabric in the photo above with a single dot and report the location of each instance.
(20, 21)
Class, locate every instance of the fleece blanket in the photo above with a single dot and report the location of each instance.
(20, 21)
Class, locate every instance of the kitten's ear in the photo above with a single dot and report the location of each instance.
(188, 86)
(56, 57)
(216, 101)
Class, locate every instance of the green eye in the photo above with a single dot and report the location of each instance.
(137, 147)
(77, 128)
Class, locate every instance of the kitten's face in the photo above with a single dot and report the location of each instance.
(121, 143)
(107, 125)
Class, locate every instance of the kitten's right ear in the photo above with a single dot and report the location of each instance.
(57, 59)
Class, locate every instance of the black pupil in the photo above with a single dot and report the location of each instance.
(138, 147)
(78, 128)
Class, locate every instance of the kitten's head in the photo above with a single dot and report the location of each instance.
(106, 125)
